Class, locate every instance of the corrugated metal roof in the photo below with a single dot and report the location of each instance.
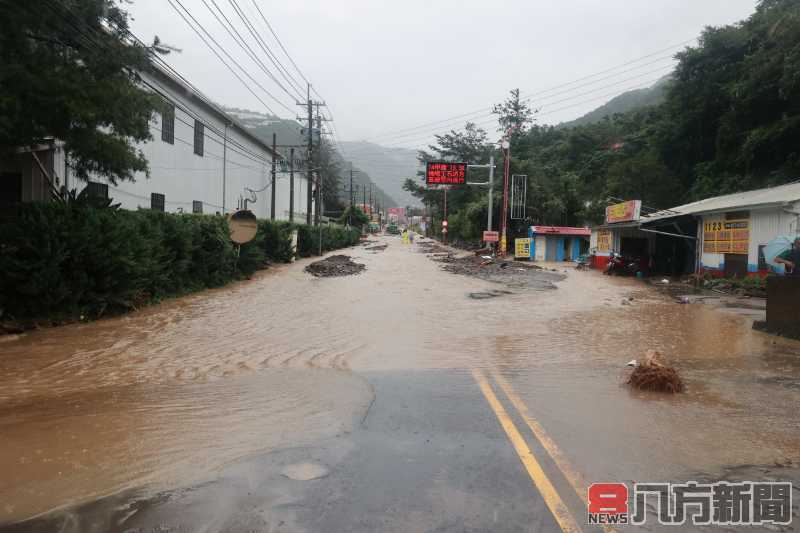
(731, 202)
(614, 225)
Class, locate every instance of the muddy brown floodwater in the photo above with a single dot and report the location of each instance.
(167, 396)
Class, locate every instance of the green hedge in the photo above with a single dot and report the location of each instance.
(62, 261)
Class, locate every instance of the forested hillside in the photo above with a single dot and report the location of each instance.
(336, 167)
(730, 121)
(627, 101)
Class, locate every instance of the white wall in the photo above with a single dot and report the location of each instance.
(182, 176)
(765, 225)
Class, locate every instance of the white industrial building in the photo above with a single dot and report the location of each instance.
(201, 160)
(732, 230)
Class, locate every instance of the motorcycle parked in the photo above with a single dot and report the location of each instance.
(622, 266)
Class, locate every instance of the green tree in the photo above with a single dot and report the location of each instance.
(69, 72)
(514, 115)
(331, 166)
(470, 145)
(354, 216)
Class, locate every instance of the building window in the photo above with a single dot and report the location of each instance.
(197, 206)
(157, 202)
(168, 125)
(199, 137)
(97, 190)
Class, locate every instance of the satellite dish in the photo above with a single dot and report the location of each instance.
(242, 226)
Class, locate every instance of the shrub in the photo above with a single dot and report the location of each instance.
(333, 238)
(67, 260)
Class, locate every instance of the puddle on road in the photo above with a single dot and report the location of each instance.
(88, 444)
(169, 394)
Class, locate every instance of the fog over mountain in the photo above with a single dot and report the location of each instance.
(388, 166)
(290, 133)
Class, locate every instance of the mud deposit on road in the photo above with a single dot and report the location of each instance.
(335, 266)
(511, 273)
(273, 369)
(377, 248)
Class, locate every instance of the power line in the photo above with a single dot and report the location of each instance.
(172, 4)
(550, 112)
(540, 102)
(246, 152)
(230, 28)
(269, 27)
(572, 97)
(544, 91)
(272, 57)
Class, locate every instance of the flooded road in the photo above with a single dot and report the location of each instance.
(287, 368)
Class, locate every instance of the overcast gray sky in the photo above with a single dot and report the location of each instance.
(387, 66)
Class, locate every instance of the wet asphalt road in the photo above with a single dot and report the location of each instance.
(393, 400)
(429, 455)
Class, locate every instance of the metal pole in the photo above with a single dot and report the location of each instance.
(444, 233)
(309, 159)
(350, 218)
(272, 202)
(491, 186)
(504, 218)
(291, 185)
(224, 165)
(319, 211)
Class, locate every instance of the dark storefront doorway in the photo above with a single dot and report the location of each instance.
(735, 265)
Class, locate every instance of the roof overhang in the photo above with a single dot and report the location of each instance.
(656, 218)
(561, 230)
(619, 225)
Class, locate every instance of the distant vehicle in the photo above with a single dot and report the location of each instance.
(393, 229)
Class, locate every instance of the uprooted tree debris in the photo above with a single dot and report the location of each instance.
(335, 265)
(654, 375)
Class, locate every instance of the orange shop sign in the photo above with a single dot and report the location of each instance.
(624, 212)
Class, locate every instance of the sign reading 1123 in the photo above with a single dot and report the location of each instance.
(443, 173)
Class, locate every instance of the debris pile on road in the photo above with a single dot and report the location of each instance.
(431, 247)
(377, 248)
(335, 265)
(512, 273)
(654, 375)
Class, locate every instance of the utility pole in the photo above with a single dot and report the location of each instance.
(370, 201)
(224, 166)
(291, 186)
(352, 201)
(309, 158)
(504, 218)
(272, 200)
(491, 186)
(309, 104)
(309, 151)
(364, 203)
(444, 228)
(318, 212)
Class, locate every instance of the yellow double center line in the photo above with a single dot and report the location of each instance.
(540, 480)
